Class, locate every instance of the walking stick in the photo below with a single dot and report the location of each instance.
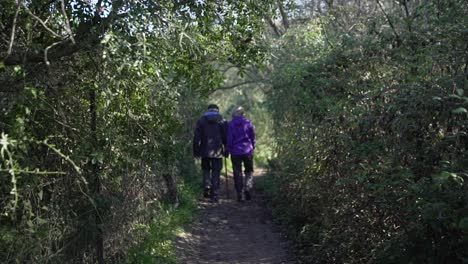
(226, 177)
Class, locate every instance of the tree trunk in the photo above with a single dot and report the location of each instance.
(319, 7)
(95, 176)
(171, 184)
(284, 16)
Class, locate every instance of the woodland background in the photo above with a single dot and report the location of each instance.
(360, 108)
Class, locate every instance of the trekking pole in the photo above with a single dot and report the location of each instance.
(226, 177)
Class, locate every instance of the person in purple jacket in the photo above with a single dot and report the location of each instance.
(241, 146)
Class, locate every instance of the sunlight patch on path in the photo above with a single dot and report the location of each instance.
(232, 233)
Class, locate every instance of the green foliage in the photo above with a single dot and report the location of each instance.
(370, 125)
(253, 100)
(96, 115)
(160, 233)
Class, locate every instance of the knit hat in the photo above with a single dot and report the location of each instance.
(213, 107)
(238, 111)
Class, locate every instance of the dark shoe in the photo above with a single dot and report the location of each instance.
(206, 193)
(247, 195)
(214, 200)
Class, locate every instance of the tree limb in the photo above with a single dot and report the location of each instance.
(47, 50)
(67, 22)
(284, 16)
(389, 22)
(273, 26)
(13, 30)
(237, 85)
(41, 22)
(83, 39)
(408, 20)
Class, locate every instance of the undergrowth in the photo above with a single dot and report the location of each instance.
(283, 213)
(158, 247)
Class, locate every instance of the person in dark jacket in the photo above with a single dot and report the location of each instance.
(209, 143)
(241, 146)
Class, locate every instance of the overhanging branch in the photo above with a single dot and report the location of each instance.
(238, 85)
(85, 36)
(390, 22)
(13, 30)
(273, 26)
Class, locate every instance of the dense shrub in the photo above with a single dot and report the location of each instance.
(371, 127)
(98, 101)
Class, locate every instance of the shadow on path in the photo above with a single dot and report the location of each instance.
(232, 233)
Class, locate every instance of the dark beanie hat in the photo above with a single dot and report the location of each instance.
(213, 106)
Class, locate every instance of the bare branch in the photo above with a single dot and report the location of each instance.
(41, 22)
(389, 22)
(36, 171)
(404, 3)
(67, 24)
(284, 16)
(83, 37)
(408, 19)
(237, 85)
(47, 50)
(273, 26)
(13, 30)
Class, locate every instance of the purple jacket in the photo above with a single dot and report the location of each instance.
(240, 136)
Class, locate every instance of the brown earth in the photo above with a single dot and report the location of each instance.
(232, 232)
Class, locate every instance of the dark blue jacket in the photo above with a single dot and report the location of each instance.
(209, 139)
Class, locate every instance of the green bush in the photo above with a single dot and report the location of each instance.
(371, 132)
(158, 246)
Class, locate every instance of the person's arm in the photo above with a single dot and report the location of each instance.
(229, 138)
(197, 140)
(251, 134)
(224, 125)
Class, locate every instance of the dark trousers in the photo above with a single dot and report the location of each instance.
(211, 171)
(240, 182)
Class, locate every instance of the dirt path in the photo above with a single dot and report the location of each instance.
(232, 233)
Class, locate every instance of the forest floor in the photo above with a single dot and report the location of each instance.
(232, 232)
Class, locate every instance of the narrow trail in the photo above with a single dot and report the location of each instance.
(232, 232)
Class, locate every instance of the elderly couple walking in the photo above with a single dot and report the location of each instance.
(215, 138)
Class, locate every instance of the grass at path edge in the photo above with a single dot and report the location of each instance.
(158, 247)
